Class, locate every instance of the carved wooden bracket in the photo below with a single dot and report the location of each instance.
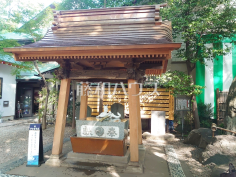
(136, 74)
(64, 71)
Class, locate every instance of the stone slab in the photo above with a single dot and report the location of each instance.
(105, 129)
(158, 122)
(117, 107)
(77, 112)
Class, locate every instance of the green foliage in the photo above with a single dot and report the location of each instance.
(199, 22)
(89, 4)
(70, 109)
(4, 43)
(78, 4)
(205, 112)
(34, 22)
(180, 82)
(52, 99)
(188, 122)
(26, 17)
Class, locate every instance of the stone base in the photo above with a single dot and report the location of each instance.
(141, 147)
(137, 167)
(98, 158)
(107, 163)
(54, 160)
(134, 167)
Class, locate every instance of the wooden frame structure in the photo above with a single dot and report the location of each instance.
(113, 44)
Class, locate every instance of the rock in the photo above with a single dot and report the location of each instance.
(230, 120)
(167, 136)
(221, 150)
(230, 123)
(199, 137)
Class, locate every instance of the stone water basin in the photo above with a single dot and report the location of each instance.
(107, 130)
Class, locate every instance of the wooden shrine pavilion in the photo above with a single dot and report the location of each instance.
(111, 44)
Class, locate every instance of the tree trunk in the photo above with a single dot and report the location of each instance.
(104, 4)
(44, 118)
(193, 98)
(44, 125)
(195, 113)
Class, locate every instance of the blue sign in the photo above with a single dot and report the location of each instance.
(35, 146)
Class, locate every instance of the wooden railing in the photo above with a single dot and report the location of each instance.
(221, 104)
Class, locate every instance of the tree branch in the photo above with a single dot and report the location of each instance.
(37, 68)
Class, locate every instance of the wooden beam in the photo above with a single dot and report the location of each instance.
(164, 65)
(96, 74)
(83, 102)
(150, 66)
(63, 49)
(61, 117)
(133, 118)
(102, 80)
(104, 17)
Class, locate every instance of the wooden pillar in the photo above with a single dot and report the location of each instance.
(101, 98)
(61, 117)
(139, 116)
(83, 102)
(74, 100)
(133, 118)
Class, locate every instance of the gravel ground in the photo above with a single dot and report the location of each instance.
(188, 154)
(14, 140)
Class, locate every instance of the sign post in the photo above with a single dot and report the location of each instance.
(182, 104)
(35, 146)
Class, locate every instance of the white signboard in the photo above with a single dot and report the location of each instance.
(182, 104)
(100, 131)
(33, 145)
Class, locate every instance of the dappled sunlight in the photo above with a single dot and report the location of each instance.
(158, 154)
(114, 174)
(7, 150)
(8, 141)
(157, 37)
(97, 31)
